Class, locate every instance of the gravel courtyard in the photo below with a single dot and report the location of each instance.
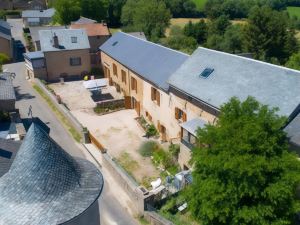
(119, 133)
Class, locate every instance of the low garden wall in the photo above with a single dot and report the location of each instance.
(71, 119)
(155, 219)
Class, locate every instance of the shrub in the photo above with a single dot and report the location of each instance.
(4, 116)
(151, 131)
(174, 149)
(3, 58)
(163, 158)
(147, 148)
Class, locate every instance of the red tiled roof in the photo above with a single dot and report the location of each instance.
(92, 29)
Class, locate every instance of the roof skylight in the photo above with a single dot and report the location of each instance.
(206, 72)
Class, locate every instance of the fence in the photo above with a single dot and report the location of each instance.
(71, 119)
(97, 143)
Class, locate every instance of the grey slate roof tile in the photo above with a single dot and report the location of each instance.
(11, 147)
(48, 13)
(153, 62)
(237, 76)
(64, 39)
(7, 91)
(45, 185)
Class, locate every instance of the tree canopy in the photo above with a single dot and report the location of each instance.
(150, 16)
(243, 172)
(267, 35)
(66, 11)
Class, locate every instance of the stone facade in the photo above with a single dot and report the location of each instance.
(6, 47)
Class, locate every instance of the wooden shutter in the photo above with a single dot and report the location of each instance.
(158, 98)
(184, 117)
(176, 113)
(152, 94)
(158, 126)
(128, 102)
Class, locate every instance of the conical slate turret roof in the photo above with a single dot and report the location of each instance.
(45, 185)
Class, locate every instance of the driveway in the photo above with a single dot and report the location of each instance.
(19, 41)
(120, 133)
(111, 211)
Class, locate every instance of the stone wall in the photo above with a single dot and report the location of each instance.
(155, 219)
(71, 119)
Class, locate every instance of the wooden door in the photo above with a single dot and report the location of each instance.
(128, 104)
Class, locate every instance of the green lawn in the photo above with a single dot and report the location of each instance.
(294, 11)
(200, 4)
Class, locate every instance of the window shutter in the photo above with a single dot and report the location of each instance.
(158, 125)
(152, 93)
(184, 117)
(176, 113)
(158, 98)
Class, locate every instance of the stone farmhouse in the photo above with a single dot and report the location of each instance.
(65, 53)
(37, 17)
(179, 93)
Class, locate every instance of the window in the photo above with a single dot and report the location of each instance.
(74, 39)
(180, 115)
(123, 76)
(76, 61)
(155, 95)
(115, 70)
(133, 84)
(206, 72)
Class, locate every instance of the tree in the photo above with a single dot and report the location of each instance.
(3, 59)
(233, 39)
(219, 25)
(94, 9)
(181, 43)
(66, 11)
(197, 30)
(243, 171)
(294, 61)
(150, 16)
(267, 35)
(181, 8)
(115, 11)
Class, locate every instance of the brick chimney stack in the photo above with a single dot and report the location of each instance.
(55, 41)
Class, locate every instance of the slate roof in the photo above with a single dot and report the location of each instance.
(93, 29)
(7, 91)
(34, 31)
(64, 39)
(192, 125)
(5, 30)
(8, 151)
(45, 185)
(237, 76)
(155, 63)
(84, 20)
(48, 13)
(34, 55)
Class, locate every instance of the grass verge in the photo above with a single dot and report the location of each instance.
(59, 115)
(294, 11)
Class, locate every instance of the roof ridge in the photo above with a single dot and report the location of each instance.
(150, 42)
(249, 59)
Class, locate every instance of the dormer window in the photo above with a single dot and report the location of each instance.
(74, 39)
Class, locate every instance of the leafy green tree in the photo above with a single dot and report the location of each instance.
(294, 61)
(181, 8)
(66, 11)
(233, 39)
(150, 16)
(115, 12)
(219, 25)
(94, 9)
(181, 43)
(243, 171)
(267, 36)
(196, 30)
(3, 59)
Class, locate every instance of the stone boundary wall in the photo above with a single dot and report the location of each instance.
(71, 119)
(155, 219)
(135, 194)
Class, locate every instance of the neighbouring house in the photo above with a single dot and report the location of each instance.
(209, 78)
(140, 69)
(34, 33)
(65, 53)
(97, 34)
(84, 20)
(6, 40)
(140, 35)
(7, 93)
(37, 17)
(45, 185)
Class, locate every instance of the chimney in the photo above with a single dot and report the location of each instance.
(55, 41)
